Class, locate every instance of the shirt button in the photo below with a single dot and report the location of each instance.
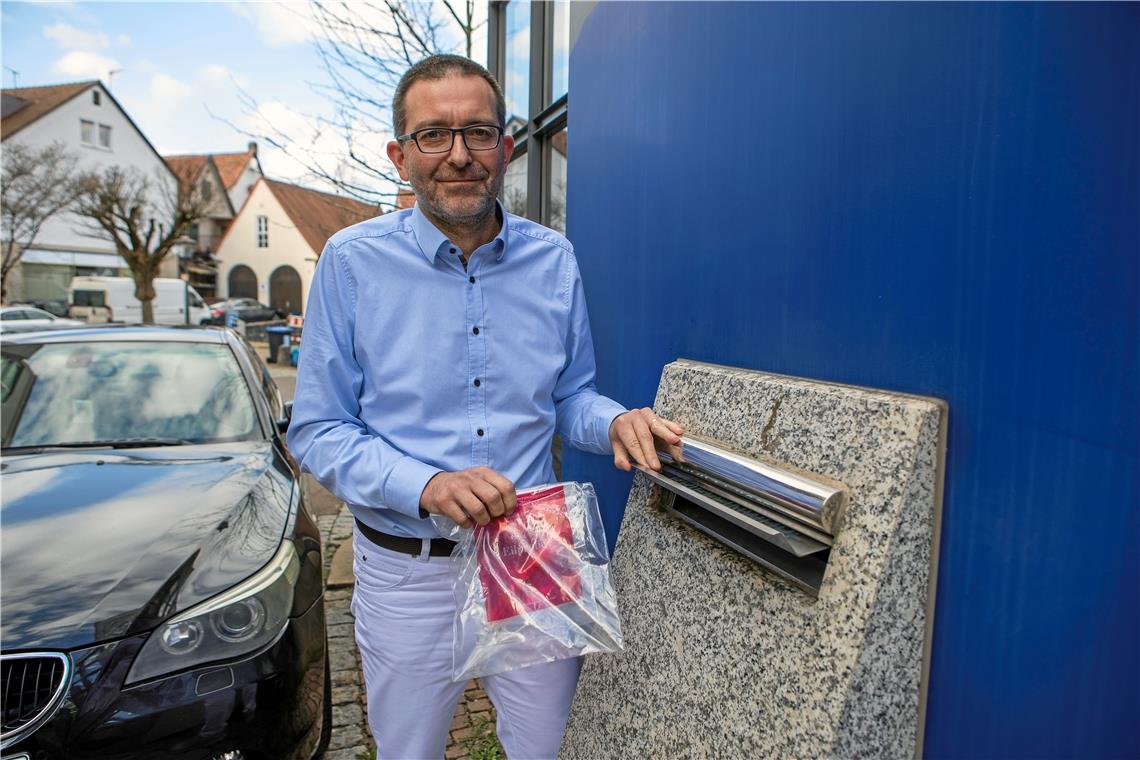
(479, 432)
(475, 330)
(477, 383)
(471, 280)
(452, 250)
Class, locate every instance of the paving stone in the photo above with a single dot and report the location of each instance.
(346, 736)
(462, 733)
(342, 659)
(454, 752)
(343, 695)
(346, 678)
(335, 616)
(338, 595)
(347, 715)
(351, 753)
(342, 631)
(479, 705)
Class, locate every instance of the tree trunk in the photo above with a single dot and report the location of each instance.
(144, 291)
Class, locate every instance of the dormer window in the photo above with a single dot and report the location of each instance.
(96, 98)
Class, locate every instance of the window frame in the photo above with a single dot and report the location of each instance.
(262, 231)
(546, 116)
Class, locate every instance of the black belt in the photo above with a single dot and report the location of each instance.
(440, 547)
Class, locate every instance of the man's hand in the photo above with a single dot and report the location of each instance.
(637, 435)
(476, 495)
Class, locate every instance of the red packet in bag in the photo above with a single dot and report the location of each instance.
(527, 561)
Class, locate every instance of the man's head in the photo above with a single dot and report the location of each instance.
(457, 186)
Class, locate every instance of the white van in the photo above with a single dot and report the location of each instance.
(112, 299)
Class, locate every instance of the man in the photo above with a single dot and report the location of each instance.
(443, 347)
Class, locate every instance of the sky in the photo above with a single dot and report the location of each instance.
(179, 68)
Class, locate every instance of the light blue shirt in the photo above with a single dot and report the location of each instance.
(411, 365)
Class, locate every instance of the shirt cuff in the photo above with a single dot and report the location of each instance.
(605, 418)
(406, 484)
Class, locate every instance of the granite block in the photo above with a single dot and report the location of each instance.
(723, 658)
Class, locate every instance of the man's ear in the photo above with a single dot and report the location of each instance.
(396, 156)
(508, 148)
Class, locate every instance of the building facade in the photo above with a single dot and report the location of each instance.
(270, 250)
(85, 118)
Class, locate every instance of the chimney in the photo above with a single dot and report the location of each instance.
(252, 149)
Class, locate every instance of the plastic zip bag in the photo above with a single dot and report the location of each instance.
(533, 586)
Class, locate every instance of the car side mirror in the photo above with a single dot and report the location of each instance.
(283, 423)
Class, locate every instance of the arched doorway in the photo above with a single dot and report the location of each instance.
(285, 290)
(242, 282)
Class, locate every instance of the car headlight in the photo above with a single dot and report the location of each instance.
(241, 620)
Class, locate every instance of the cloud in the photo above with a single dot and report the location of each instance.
(123, 40)
(82, 64)
(166, 92)
(216, 76)
(279, 24)
(70, 38)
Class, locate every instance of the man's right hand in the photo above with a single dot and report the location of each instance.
(476, 495)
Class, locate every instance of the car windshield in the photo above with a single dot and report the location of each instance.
(128, 393)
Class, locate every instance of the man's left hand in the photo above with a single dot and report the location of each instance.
(637, 435)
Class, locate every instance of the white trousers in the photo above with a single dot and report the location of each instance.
(404, 609)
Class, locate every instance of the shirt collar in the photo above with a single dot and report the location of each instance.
(433, 243)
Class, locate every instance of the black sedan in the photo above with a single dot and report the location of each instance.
(245, 309)
(161, 572)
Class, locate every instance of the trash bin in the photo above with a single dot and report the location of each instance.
(277, 335)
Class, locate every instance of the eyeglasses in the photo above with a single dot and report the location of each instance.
(440, 139)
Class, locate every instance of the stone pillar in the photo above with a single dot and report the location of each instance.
(724, 659)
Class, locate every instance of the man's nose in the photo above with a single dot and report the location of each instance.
(459, 156)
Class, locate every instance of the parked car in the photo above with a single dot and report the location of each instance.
(21, 318)
(247, 310)
(161, 573)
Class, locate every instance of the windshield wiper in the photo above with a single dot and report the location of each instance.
(121, 443)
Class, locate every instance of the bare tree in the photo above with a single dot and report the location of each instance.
(364, 48)
(144, 217)
(38, 183)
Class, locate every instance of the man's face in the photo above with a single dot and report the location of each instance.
(458, 187)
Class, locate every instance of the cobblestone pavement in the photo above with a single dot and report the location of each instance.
(350, 738)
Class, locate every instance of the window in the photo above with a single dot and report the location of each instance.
(87, 132)
(529, 46)
(262, 232)
(104, 136)
(96, 98)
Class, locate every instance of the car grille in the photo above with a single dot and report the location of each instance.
(32, 685)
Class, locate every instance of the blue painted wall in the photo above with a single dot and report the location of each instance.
(938, 199)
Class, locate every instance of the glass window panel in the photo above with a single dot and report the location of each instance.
(514, 186)
(87, 131)
(104, 135)
(559, 76)
(517, 68)
(556, 183)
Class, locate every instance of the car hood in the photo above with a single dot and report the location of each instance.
(99, 544)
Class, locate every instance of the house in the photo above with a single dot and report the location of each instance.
(271, 248)
(86, 118)
(224, 181)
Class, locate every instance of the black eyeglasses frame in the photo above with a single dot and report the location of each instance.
(462, 131)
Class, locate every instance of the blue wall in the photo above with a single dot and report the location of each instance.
(938, 199)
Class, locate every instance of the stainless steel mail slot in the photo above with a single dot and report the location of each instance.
(783, 519)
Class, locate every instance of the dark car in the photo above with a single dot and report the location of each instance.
(246, 309)
(161, 571)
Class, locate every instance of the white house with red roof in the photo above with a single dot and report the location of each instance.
(271, 248)
(224, 180)
(85, 117)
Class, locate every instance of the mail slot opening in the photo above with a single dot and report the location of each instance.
(783, 519)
